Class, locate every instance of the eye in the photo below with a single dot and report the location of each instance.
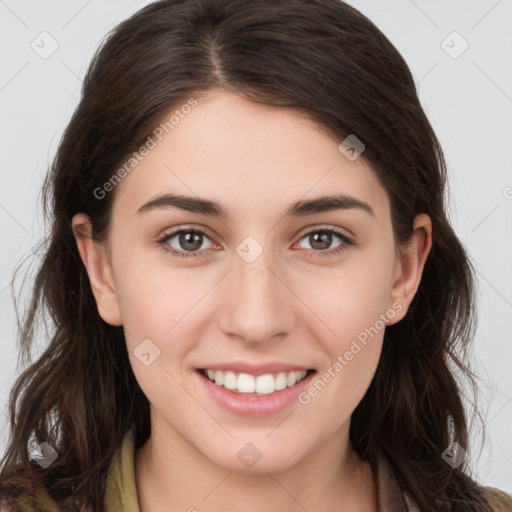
(189, 242)
(321, 239)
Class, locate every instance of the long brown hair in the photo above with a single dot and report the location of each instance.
(325, 59)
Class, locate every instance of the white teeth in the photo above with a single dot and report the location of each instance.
(263, 384)
(230, 380)
(280, 381)
(246, 383)
(219, 378)
(291, 379)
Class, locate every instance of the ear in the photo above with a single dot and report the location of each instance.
(95, 258)
(410, 264)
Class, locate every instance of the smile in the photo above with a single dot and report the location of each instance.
(261, 385)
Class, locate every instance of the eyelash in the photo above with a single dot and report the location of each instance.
(192, 254)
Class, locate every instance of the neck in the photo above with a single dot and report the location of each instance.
(171, 474)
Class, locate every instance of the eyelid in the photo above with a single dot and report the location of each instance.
(339, 232)
(327, 227)
(166, 236)
(187, 228)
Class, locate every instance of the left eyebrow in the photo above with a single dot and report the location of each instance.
(327, 204)
(298, 209)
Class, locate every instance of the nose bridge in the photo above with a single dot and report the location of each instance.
(258, 305)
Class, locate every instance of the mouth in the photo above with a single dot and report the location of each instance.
(251, 385)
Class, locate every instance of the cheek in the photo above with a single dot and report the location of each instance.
(349, 299)
(356, 320)
(351, 305)
(152, 296)
(351, 333)
(157, 305)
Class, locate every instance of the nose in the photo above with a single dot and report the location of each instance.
(258, 304)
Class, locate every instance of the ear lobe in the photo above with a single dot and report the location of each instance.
(95, 260)
(413, 256)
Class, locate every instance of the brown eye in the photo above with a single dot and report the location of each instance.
(320, 241)
(190, 241)
(187, 242)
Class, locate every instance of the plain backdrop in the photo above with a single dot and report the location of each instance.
(460, 54)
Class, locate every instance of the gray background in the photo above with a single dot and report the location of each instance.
(468, 100)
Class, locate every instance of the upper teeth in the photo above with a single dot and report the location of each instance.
(263, 384)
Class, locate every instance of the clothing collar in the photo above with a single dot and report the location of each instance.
(121, 491)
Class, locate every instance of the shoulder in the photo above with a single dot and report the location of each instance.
(4, 507)
(38, 502)
(35, 505)
(499, 500)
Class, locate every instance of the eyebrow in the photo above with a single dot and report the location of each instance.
(298, 209)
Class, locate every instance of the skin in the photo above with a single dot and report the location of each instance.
(291, 304)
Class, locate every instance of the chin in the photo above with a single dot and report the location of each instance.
(247, 458)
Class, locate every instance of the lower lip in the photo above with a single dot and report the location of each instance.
(251, 405)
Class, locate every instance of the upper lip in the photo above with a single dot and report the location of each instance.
(256, 369)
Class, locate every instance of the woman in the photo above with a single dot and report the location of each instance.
(203, 357)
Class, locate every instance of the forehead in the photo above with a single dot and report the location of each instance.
(248, 156)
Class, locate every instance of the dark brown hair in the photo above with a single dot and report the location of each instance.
(321, 57)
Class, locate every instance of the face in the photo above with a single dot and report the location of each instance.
(260, 289)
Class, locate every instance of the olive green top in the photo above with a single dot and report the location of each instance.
(121, 491)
